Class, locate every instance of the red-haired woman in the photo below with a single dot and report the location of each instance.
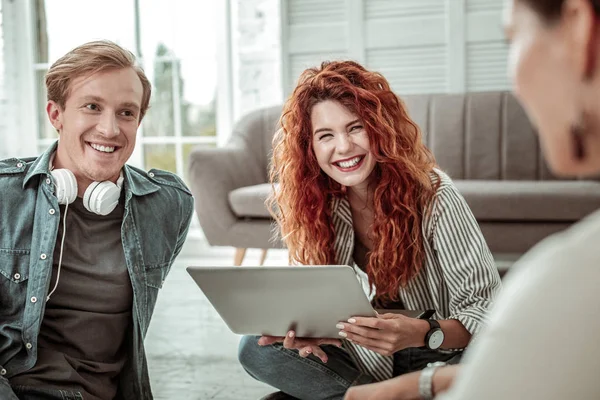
(358, 186)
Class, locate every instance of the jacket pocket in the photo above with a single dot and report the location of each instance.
(14, 265)
(156, 274)
(14, 272)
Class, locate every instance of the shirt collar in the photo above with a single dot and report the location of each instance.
(41, 165)
(136, 180)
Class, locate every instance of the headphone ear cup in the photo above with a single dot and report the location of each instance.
(101, 197)
(66, 185)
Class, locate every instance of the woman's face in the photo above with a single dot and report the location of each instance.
(341, 145)
(547, 67)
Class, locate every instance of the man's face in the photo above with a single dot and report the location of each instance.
(98, 125)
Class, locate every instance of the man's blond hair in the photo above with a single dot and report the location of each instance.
(88, 59)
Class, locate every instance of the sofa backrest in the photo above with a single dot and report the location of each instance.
(255, 133)
(483, 135)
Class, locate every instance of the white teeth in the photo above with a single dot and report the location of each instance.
(349, 163)
(104, 149)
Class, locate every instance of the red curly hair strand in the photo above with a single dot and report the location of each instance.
(402, 176)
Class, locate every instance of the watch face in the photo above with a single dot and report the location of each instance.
(435, 339)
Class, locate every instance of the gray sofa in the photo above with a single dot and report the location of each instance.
(484, 141)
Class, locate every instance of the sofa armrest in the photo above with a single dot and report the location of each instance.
(213, 174)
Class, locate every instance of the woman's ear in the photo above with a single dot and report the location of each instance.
(581, 26)
(55, 114)
(578, 132)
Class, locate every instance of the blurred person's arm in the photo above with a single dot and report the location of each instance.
(541, 341)
(403, 387)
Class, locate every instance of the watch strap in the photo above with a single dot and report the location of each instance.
(426, 380)
(433, 324)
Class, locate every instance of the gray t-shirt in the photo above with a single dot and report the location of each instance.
(82, 339)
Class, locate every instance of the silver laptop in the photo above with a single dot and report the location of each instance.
(310, 300)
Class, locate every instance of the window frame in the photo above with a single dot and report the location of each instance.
(20, 57)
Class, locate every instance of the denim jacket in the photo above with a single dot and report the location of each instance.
(158, 211)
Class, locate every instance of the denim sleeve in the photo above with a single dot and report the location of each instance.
(6, 393)
(188, 211)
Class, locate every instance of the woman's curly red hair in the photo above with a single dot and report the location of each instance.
(402, 186)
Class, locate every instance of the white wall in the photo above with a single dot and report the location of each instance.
(256, 52)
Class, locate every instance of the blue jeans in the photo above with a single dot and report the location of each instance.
(309, 378)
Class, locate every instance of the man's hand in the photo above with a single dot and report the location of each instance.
(305, 346)
(384, 334)
(403, 387)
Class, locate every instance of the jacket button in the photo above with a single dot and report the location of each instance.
(20, 165)
(17, 276)
(28, 346)
(34, 299)
(43, 256)
(2, 371)
(52, 211)
(151, 174)
(48, 181)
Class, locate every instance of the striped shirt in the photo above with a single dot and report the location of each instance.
(459, 279)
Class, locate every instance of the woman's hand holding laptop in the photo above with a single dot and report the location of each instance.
(305, 346)
(386, 333)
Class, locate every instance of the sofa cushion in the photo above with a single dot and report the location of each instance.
(522, 201)
(249, 201)
(548, 201)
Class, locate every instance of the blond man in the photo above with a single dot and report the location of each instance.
(86, 240)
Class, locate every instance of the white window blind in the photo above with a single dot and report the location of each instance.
(420, 46)
(312, 31)
(486, 51)
(405, 41)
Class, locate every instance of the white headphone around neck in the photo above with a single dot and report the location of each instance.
(100, 197)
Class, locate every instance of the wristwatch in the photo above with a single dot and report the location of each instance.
(435, 336)
(426, 380)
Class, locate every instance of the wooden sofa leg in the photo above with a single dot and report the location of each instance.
(263, 255)
(239, 256)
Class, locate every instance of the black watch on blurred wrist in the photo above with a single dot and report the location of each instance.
(435, 336)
